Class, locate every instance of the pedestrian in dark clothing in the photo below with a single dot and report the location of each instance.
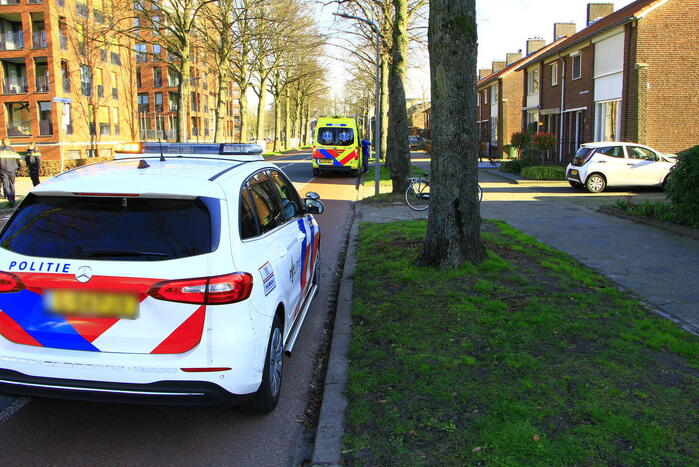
(365, 155)
(9, 165)
(33, 160)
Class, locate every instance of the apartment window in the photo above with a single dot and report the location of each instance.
(158, 97)
(485, 97)
(157, 77)
(86, 80)
(115, 92)
(103, 54)
(100, 82)
(65, 75)
(141, 50)
(554, 74)
(143, 102)
(173, 77)
(18, 119)
(607, 121)
(91, 119)
(156, 52)
(115, 120)
(103, 119)
(577, 66)
(533, 82)
(81, 9)
(494, 94)
(172, 99)
(115, 58)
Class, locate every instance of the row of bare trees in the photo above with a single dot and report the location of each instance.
(267, 46)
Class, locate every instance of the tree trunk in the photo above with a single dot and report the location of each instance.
(220, 112)
(243, 101)
(384, 106)
(277, 123)
(398, 152)
(261, 104)
(183, 108)
(453, 228)
(287, 119)
(306, 124)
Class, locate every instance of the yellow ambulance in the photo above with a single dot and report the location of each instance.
(337, 145)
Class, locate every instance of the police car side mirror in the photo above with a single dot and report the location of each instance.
(312, 195)
(314, 206)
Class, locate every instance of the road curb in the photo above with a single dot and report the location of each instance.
(327, 450)
(674, 228)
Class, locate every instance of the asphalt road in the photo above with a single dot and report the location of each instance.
(48, 431)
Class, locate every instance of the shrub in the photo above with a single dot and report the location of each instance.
(683, 185)
(544, 141)
(520, 140)
(50, 168)
(513, 166)
(544, 172)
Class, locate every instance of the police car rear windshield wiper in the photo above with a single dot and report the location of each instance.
(94, 253)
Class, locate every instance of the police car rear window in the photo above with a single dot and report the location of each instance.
(114, 228)
(335, 136)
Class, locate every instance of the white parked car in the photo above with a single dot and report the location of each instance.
(598, 165)
(177, 274)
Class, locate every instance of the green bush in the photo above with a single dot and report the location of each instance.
(513, 166)
(544, 172)
(50, 168)
(683, 186)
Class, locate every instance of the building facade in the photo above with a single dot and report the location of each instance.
(61, 88)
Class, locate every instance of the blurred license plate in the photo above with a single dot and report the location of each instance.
(325, 161)
(92, 304)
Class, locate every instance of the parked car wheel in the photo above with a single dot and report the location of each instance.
(576, 185)
(596, 183)
(265, 399)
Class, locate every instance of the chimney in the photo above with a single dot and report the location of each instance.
(534, 44)
(597, 11)
(498, 66)
(563, 29)
(483, 72)
(512, 57)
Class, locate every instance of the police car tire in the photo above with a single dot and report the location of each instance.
(267, 396)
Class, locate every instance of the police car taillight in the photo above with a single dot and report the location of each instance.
(10, 283)
(217, 290)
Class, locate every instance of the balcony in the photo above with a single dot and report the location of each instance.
(19, 128)
(12, 40)
(43, 83)
(45, 128)
(39, 40)
(158, 108)
(15, 86)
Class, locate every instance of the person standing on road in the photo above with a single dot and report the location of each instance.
(365, 155)
(9, 165)
(33, 160)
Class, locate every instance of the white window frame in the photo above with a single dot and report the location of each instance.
(532, 82)
(478, 99)
(554, 74)
(485, 97)
(494, 93)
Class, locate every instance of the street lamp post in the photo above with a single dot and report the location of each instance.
(377, 115)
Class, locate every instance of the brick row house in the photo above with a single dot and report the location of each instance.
(630, 75)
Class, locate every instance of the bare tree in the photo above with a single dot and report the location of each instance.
(453, 230)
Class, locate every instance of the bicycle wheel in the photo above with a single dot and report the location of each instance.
(480, 194)
(417, 196)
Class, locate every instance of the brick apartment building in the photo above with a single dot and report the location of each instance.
(59, 89)
(630, 75)
(500, 92)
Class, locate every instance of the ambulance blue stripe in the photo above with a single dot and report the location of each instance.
(329, 156)
(27, 310)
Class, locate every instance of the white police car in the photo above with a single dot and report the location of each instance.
(176, 274)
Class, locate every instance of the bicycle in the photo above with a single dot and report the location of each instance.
(417, 195)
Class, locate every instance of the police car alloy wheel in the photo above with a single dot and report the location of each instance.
(176, 274)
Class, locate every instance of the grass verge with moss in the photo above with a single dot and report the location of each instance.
(527, 359)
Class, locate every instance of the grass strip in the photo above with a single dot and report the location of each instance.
(659, 210)
(527, 359)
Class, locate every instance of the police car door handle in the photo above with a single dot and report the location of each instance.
(283, 252)
(301, 237)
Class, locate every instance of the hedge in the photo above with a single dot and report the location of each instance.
(544, 172)
(683, 186)
(50, 168)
